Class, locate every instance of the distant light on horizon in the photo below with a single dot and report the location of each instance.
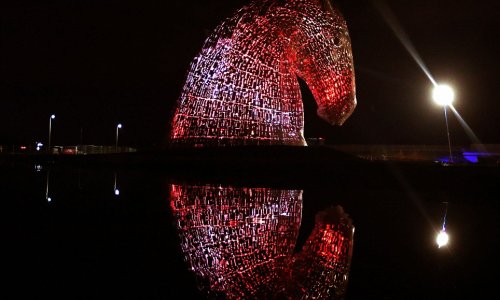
(443, 94)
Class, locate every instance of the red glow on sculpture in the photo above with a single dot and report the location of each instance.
(242, 88)
(240, 243)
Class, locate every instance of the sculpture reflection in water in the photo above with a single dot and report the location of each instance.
(242, 88)
(240, 243)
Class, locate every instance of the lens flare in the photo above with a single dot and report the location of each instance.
(399, 32)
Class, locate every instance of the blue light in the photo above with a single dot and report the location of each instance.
(471, 158)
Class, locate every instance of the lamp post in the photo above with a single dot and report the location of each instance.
(50, 131)
(118, 127)
(444, 96)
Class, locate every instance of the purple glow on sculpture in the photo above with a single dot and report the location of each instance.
(240, 243)
(242, 88)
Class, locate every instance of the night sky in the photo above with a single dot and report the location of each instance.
(96, 63)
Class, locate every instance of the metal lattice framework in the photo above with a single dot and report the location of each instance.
(240, 243)
(242, 88)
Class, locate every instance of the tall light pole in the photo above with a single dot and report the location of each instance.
(118, 127)
(50, 131)
(444, 96)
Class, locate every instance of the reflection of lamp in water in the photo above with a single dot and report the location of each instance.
(444, 95)
(240, 243)
(442, 237)
(47, 187)
(115, 188)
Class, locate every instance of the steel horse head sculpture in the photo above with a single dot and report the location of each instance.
(242, 88)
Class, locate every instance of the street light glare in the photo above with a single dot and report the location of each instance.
(119, 126)
(53, 116)
(443, 94)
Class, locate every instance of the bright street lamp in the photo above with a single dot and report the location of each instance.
(443, 95)
(50, 130)
(118, 127)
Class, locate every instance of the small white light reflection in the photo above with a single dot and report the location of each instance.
(38, 168)
(115, 187)
(49, 199)
(442, 238)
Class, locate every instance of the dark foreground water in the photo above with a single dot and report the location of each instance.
(69, 234)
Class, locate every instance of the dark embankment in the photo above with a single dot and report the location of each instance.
(281, 165)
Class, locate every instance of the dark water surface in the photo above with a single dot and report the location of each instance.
(89, 243)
